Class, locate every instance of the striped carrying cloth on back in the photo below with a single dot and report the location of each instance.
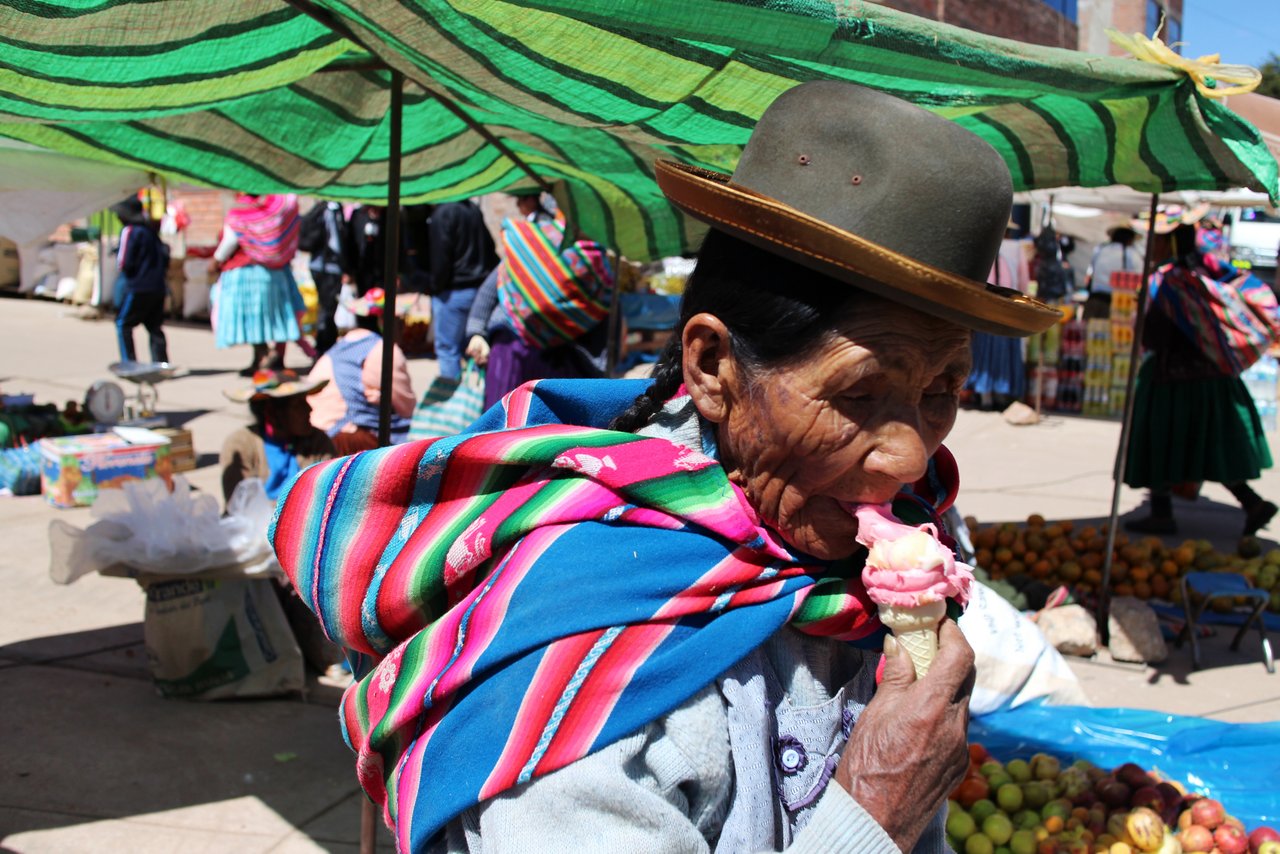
(552, 290)
(530, 594)
(267, 228)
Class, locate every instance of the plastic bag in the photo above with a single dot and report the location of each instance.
(1238, 764)
(1015, 662)
(144, 526)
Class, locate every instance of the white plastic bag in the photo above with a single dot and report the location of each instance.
(153, 531)
(1015, 663)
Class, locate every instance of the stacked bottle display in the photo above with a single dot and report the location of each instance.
(1124, 314)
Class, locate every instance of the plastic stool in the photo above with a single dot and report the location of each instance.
(1214, 585)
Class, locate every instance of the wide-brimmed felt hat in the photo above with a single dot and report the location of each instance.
(871, 190)
(1169, 217)
(129, 210)
(275, 384)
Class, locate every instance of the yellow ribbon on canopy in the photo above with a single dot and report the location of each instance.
(1208, 72)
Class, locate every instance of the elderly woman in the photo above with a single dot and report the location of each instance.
(607, 622)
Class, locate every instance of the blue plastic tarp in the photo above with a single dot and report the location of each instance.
(1238, 764)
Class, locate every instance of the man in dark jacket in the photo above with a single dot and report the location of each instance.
(461, 256)
(142, 261)
(330, 253)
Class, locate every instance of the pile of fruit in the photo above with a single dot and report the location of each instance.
(1055, 553)
(1037, 806)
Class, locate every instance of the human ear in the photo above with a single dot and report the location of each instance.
(710, 371)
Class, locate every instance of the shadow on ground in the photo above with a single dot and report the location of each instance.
(88, 739)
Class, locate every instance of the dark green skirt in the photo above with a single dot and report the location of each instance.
(1193, 431)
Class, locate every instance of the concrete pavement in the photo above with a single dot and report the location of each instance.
(94, 760)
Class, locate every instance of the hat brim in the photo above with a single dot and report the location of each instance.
(289, 389)
(1165, 225)
(712, 198)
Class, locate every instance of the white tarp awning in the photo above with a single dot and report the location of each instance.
(40, 189)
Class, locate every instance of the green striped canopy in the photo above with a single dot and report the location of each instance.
(258, 96)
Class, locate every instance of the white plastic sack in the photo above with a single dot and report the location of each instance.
(144, 526)
(1015, 663)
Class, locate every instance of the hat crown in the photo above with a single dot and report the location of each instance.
(885, 170)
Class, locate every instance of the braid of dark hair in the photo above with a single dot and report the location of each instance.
(668, 374)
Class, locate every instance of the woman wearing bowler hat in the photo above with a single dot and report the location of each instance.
(630, 615)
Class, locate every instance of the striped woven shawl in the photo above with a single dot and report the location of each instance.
(534, 590)
(267, 228)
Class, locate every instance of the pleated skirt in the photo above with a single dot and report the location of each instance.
(998, 366)
(257, 306)
(1193, 431)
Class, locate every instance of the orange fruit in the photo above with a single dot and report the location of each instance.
(1160, 587)
(983, 558)
(1140, 573)
(1122, 589)
(1169, 569)
(1142, 590)
(1005, 538)
(1054, 824)
(1067, 525)
(1093, 576)
(1003, 555)
(1035, 520)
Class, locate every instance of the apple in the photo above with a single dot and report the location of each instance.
(1230, 839)
(1207, 812)
(1269, 847)
(1260, 835)
(1196, 838)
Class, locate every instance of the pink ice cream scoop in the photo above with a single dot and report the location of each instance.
(906, 565)
(910, 575)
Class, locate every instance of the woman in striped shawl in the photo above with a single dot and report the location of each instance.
(625, 615)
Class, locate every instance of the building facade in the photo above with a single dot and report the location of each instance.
(1046, 22)
(1127, 16)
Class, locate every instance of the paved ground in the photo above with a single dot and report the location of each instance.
(94, 760)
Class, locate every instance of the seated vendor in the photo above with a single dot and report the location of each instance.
(624, 615)
(281, 440)
(347, 407)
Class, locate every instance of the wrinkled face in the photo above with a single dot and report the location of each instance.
(850, 423)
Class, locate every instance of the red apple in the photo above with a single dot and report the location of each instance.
(1195, 838)
(1207, 812)
(1260, 835)
(1231, 839)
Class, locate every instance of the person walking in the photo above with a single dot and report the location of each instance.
(258, 299)
(1193, 419)
(325, 236)
(461, 257)
(143, 261)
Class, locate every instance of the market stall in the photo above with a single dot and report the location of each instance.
(586, 96)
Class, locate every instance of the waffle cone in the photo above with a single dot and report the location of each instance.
(916, 630)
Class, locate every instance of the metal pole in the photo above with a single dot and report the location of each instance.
(1126, 427)
(391, 266)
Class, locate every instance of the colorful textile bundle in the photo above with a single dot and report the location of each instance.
(553, 290)
(532, 594)
(1232, 317)
(267, 228)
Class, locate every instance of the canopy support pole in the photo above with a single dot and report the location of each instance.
(328, 19)
(1103, 613)
(391, 265)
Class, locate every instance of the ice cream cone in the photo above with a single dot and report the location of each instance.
(916, 630)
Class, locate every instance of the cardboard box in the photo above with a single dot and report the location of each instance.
(73, 469)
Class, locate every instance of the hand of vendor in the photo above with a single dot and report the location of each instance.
(909, 748)
(478, 349)
(214, 267)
